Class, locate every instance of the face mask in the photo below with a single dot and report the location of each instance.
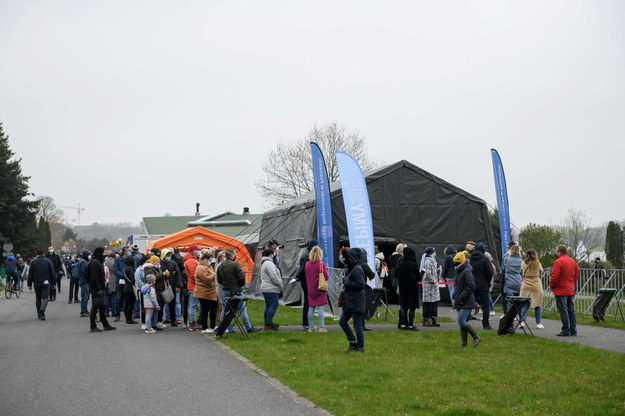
(51, 251)
(213, 261)
(89, 257)
(128, 254)
(168, 258)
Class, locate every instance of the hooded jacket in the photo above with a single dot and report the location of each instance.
(190, 264)
(408, 274)
(482, 271)
(129, 274)
(270, 279)
(464, 297)
(354, 282)
(369, 274)
(82, 266)
(97, 281)
(175, 279)
(10, 264)
(449, 268)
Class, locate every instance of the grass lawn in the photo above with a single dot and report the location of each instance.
(287, 315)
(425, 373)
(581, 320)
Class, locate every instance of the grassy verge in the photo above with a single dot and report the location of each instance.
(581, 320)
(286, 315)
(405, 373)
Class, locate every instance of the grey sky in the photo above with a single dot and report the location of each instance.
(137, 108)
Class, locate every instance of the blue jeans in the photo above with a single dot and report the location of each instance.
(137, 309)
(451, 291)
(192, 309)
(359, 320)
(566, 308)
(242, 310)
(271, 306)
(463, 317)
(538, 312)
(84, 297)
(320, 315)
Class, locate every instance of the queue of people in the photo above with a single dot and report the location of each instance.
(145, 286)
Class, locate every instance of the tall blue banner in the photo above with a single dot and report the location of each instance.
(502, 201)
(357, 207)
(323, 204)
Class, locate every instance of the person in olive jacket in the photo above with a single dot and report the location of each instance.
(464, 299)
(354, 300)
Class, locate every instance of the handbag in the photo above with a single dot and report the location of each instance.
(339, 301)
(323, 283)
(168, 294)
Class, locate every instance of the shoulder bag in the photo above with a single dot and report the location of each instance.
(168, 294)
(323, 283)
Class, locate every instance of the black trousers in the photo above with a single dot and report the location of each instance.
(208, 307)
(97, 305)
(430, 310)
(305, 309)
(73, 289)
(129, 305)
(42, 292)
(185, 306)
(481, 297)
(172, 309)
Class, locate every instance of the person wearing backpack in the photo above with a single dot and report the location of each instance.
(74, 275)
(84, 283)
(94, 275)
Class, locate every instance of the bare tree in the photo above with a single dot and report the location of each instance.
(577, 234)
(288, 169)
(49, 211)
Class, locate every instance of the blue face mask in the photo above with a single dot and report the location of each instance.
(128, 254)
(168, 258)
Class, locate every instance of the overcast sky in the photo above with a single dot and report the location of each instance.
(138, 108)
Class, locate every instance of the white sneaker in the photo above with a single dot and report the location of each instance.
(492, 313)
(144, 327)
(540, 326)
(208, 331)
(522, 324)
(161, 326)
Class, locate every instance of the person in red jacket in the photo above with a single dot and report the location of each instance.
(564, 274)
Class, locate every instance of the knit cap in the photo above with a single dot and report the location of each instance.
(150, 278)
(460, 257)
(153, 259)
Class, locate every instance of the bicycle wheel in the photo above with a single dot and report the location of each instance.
(17, 289)
(7, 289)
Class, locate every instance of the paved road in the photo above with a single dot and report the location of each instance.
(57, 367)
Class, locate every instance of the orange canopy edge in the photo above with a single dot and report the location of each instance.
(205, 238)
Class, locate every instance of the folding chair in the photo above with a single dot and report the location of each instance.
(233, 306)
(506, 324)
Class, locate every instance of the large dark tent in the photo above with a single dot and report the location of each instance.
(408, 205)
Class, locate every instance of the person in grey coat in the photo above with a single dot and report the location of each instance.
(270, 287)
(354, 300)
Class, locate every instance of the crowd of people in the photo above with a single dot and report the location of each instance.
(161, 288)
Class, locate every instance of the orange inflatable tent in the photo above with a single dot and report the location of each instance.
(206, 238)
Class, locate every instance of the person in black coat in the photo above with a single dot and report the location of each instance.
(482, 273)
(129, 292)
(353, 300)
(97, 286)
(408, 277)
(464, 298)
(449, 271)
(370, 275)
(43, 276)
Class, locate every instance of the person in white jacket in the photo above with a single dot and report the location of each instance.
(270, 286)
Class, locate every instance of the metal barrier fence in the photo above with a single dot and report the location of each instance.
(335, 287)
(586, 288)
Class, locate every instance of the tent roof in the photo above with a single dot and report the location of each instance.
(205, 238)
(370, 176)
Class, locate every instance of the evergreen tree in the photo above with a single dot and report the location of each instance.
(15, 208)
(614, 245)
(44, 236)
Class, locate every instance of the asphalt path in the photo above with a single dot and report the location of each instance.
(57, 367)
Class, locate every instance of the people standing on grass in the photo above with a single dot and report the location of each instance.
(205, 291)
(464, 298)
(150, 304)
(531, 270)
(431, 294)
(564, 274)
(43, 276)
(270, 287)
(408, 277)
(354, 301)
(482, 271)
(94, 275)
(317, 299)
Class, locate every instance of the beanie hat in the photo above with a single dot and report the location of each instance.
(150, 278)
(429, 250)
(312, 243)
(153, 259)
(480, 247)
(460, 257)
